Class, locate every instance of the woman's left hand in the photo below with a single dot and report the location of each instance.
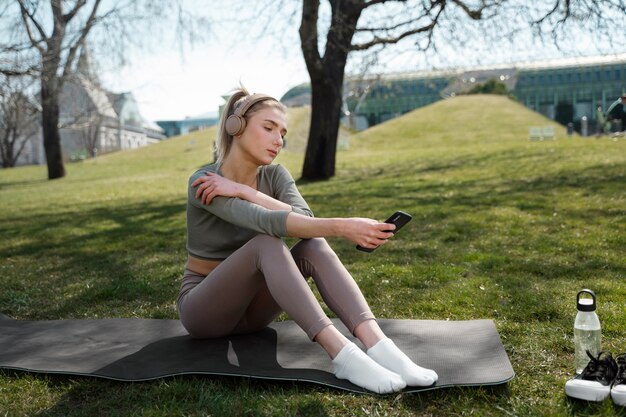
(367, 233)
(212, 185)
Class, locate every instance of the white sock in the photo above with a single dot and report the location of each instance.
(353, 364)
(387, 354)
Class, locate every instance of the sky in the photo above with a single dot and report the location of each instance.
(170, 85)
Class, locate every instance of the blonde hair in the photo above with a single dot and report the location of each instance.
(224, 141)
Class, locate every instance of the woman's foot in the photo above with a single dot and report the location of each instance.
(387, 354)
(353, 364)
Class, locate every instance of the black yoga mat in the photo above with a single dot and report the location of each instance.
(464, 353)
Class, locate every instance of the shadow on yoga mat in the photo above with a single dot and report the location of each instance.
(464, 353)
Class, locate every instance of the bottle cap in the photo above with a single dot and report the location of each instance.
(586, 304)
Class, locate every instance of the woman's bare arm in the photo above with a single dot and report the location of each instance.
(362, 231)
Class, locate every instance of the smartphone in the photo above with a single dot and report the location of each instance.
(399, 218)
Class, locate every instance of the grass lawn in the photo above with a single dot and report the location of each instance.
(503, 229)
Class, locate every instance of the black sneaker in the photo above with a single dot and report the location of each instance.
(618, 391)
(594, 383)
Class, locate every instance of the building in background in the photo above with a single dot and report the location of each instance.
(187, 125)
(570, 89)
(565, 90)
(94, 121)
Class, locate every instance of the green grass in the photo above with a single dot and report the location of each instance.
(503, 228)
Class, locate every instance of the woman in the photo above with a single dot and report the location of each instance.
(240, 275)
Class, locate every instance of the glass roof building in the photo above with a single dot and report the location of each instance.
(579, 85)
(583, 84)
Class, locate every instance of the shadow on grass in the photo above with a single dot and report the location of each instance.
(498, 230)
(490, 190)
(577, 407)
(9, 184)
(101, 255)
(236, 396)
(192, 395)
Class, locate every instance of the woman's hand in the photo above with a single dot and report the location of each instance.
(212, 185)
(367, 233)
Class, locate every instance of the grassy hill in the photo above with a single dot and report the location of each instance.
(503, 228)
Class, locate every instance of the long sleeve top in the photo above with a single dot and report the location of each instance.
(216, 230)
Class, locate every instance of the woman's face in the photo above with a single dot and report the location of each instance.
(262, 139)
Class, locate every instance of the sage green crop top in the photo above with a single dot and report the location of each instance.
(216, 230)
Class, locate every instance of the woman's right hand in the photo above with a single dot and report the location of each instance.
(367, 233)
(212, 185)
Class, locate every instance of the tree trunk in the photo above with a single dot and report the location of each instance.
(6, 145)
(327, 75)
(50, 122)
(319, 160)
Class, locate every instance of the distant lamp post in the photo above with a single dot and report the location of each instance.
(584, 126)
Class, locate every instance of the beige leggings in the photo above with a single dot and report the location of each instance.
(263, 278)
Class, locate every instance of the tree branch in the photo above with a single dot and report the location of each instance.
(11, 72)
(345, 16)
(550, 13)
(81, 39)
(70, 15)
(58, 32)
(473, 14)
(308, 36)
(391, 40)
(375, 2)
(27, 20)
(388, 28)
(395, 39)
(553, 11)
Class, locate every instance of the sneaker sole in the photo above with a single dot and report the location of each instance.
(587, 390)
(618, 395)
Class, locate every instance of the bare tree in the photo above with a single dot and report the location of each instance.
(18, 123)
(361, 25)
(45, 36)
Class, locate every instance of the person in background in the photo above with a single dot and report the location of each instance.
(600, 121)
(240, 275)
(623, 100)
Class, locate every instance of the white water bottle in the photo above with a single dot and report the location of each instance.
(587, 330)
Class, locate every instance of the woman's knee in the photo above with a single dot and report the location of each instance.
(262, 246)
(266, 241)
(314, 245)
(314, 250)
(312, 254)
